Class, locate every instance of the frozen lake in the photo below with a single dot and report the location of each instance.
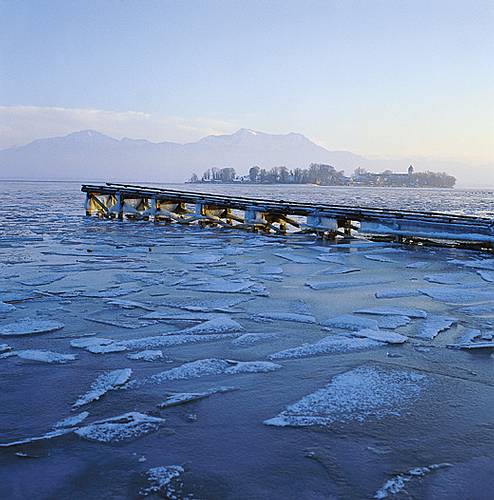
(151, 360)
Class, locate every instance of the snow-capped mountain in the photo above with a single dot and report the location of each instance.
(90, 155)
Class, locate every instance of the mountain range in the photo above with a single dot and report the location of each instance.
(91, 156)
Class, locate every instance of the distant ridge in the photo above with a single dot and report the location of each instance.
(89, 154)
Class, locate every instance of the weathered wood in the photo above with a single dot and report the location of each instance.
(255, 214)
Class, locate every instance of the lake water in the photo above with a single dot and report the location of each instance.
(304, 369)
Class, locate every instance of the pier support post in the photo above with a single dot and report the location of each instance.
(119, 205)
(87, 205)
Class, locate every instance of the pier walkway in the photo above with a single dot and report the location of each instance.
(131, 201)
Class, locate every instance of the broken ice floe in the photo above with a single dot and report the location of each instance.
(328, 285)
(284, 316)
(433, 326)
(43, 356)
(381, 336)
(396, 293)
(360, 394)
(212, 366)
(392, 322)
(44, 437)
(5, 348)
(334, 259)
(394, 311)
(350, 322)
(270, 269)
(486, 275)
(6, 308)
(164, 481)
(486, 264)
(380, 258)
(118, 291)
(473, 345)
(106, 382)
(29, 326)
(216, 325)
(129, 324)
(341, 270)
(417, 265)
(250, 339)
(219, 286)
(155, 341)
(459, 295)
(327, 345)
(72, 421)
(223, 304)
(480, 310)
(180, 316)
(398, 483)
(147, 355)
(129, 304)
(83, 343)
(181, 398)
(16, 296)
(448, 278)
(200, 258)
(292, 257)
(44, 279)
(120, 428)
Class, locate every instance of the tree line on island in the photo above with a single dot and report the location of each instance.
(326, 175)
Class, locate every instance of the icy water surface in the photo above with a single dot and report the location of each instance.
(143, 360)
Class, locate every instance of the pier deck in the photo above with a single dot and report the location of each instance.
(132, 201)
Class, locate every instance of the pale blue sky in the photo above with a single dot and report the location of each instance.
(374, 77)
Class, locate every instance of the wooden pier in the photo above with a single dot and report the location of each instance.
(136, 202)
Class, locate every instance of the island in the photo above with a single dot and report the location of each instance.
(326, 175)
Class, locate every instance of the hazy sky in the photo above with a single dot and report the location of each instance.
(385, 78)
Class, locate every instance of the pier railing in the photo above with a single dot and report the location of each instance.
(132, 201)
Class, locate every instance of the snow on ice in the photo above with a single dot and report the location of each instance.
(394, 311)
(124, 427)
(363, 393)
(29, 326)
(284, 316)
(213, 366)
(382, 336)
(250, 339)
(147, 355)
(43, 356)
(433, 326)
(106, 382)
(397, 484)
(72, 421)
(164, 481)
(350, 322)
(181, 398)
(216, 325)
(327, 345)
